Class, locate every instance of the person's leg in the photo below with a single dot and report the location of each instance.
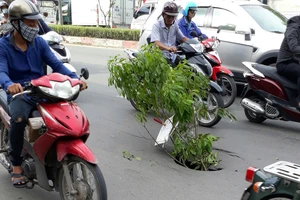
(291, 70)
(20, 108)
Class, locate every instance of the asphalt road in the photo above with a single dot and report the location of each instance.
(156, 176)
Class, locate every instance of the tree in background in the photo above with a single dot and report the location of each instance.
(107, 15)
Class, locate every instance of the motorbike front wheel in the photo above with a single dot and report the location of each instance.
(229, 88)
(87, 181)
(213, 103)
(4, 146)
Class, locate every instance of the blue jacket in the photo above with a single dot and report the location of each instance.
(186, 28)
(43, 27)
(17, 66)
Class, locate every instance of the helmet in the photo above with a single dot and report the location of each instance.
(35, 2)
(23, 9)
(171, 9)
(189, 6)
(3, 3)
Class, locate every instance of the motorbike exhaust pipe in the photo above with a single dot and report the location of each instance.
(251, 105)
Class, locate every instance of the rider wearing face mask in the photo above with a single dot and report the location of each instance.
(5, 27)
(186, 25)
(22, 54)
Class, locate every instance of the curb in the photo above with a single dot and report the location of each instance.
(123, 44)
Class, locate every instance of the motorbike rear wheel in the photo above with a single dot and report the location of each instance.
(213, 102)
(87, 188)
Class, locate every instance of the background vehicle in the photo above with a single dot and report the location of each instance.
(251, 31)
(141, 15)
(61, 52)
(269, 95)
(220, 74)
(192, 50)
(288, 8)
(278, 181)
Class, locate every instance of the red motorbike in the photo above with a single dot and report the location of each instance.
(55, 155)
(220, 74)
(268, 95)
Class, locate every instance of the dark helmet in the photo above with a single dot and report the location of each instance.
(171, 9)
(23, 9)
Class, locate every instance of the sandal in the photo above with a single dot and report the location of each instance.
(19, 182)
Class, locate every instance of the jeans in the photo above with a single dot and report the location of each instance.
(291, 70)
(20, 109)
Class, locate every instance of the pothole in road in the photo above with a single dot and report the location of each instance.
(192, 166)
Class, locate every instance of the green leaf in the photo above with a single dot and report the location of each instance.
(155, 86)
(138, 158)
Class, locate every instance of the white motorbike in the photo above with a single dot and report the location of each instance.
(61, 52)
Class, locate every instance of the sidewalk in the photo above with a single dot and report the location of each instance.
(123, 44)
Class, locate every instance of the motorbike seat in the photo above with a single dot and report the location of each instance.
(271, 72)
(4, 105)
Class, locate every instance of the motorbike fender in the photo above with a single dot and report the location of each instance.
(75, 147)
(220, 69)
(247, 92)
(214, 87)
(247, 193)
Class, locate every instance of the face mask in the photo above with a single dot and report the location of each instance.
(27, 32)
(5, 11)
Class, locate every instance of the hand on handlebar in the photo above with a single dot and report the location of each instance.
(15, 88)
(83, 86)
(172, 49)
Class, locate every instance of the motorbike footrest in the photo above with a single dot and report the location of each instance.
(286, 170)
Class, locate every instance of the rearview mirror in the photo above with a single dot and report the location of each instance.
(228, 27)
(135, 14)
(242, 29)
(85, 73)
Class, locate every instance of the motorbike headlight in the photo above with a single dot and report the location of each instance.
(197, 68)
(62, 90)
(198, 47)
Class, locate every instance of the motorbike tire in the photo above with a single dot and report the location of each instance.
(278, 197)
(75, 97)
(220, 104)
(251, 116)
(133, 104)
(95, 171)
(4, 145)
(233, 88)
